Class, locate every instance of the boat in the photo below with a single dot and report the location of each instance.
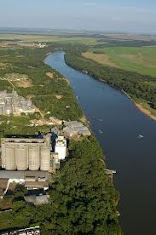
(100, 120)
(100, 132)
(140, 136)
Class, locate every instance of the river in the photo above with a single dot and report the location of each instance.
(117, 123)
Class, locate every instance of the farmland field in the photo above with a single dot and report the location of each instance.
(47, 38)
(138, 59)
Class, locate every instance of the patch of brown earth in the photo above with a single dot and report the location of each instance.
(99, 58)
(59, 97)
(3, 65)
(23, 84)
(50, 75)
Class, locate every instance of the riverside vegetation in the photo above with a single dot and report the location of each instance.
(43, 90)
(141, 88)
(83, 198)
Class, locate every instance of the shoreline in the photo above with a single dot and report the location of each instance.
(140, 107)
(137, 105)
(145, 111)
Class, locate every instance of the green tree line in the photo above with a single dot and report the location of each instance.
(136, 85)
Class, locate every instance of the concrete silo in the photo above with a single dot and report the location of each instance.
(1, 110)
(61, 147)
(22, 157)
(34, 158)
(45, 159)
(10, 162)
(3, 154)
(8, 109)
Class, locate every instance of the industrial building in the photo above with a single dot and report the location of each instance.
(24, 231)
(61, 147)
(26, 153)
(31, 179)
(75, 128)
(11, 103)
(30, 153)
(31, 159)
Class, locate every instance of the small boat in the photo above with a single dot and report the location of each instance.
(100, 120)
(140, 136)
(100, 132)
(77, 97)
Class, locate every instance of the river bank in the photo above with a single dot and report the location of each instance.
(116, 80)
(145, 111)
(140, 106)
(82, 197)
(120, 123)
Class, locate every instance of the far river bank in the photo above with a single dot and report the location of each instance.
(144, 110)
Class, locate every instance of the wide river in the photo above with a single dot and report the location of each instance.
(117, 123)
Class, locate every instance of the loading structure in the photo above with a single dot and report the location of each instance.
(26, 153)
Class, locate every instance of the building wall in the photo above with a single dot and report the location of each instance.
(24, 154)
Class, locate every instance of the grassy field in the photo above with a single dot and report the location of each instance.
(47, 38)
(138, 59)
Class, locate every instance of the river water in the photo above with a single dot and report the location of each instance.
(116, 123)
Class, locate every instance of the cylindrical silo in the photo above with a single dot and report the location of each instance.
(8, 110)
(1, 110)
(45, 159)
(10, 163)
(22, 157)
(3, 154)
(34, 158)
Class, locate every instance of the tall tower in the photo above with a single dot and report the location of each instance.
(61, 147)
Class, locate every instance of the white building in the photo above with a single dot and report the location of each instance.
(61, 147)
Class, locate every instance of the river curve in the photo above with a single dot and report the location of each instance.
(117, 124)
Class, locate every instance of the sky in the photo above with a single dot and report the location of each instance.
(134, 16)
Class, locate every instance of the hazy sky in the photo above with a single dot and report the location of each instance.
(108, 15)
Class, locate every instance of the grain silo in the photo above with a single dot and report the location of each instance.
(1, 110)
(34, 158)
(8, 109)
(22, 157)
(3, 146)
(10, 163)
(61, 147)
(45, 159)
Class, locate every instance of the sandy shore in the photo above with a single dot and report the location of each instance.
(145, 111)
(141, 108)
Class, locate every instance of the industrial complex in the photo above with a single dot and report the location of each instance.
(11, 103)
(74, 128)
(31, 160)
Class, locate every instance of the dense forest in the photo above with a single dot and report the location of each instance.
(125, 43)
(136, 85)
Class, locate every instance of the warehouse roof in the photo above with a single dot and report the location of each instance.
(21, 174)
(37, 200)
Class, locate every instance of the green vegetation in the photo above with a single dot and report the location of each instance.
(83, 198)
(119, 41)
(43, 89)
(136, 85)
(138, 59)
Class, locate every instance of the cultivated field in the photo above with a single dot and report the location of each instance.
(139, 59)
(47, 38)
